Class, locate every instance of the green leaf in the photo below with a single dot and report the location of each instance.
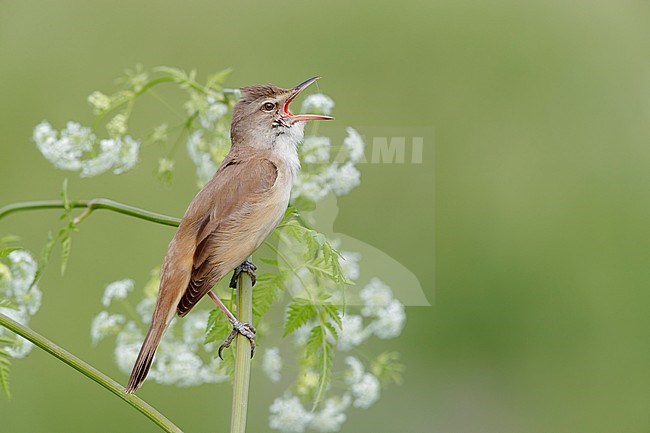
(215, 80)
(7, 245)
(218, 327)
(332, 312)
(272, 262)
(5, 362)
(178, 75)
(300, 311)
(290, 213)
(5, 272)
(387, 368)
(66, 246)
(319, 353)
(266, 291)
(332, 330)
(46, 253)
(9, 239)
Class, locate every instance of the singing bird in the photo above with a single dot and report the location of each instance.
(232, 215)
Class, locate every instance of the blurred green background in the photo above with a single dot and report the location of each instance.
(535, 205)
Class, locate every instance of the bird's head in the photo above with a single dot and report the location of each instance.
(262, 115)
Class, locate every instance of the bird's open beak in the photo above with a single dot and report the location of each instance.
(293, 118)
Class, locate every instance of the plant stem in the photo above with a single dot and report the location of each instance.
(90, 206)
(89, 371)
(242, 356)
(244, 311)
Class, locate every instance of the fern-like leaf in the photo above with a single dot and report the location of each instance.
(319, 353)
(5, 362)
(300, 311)
(66, 247)
(218, 327)
(267, 289)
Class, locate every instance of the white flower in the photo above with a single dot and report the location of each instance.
(117, 290)
(349, 262)
(28, 300)
(214, 112)
(127, 347)
(376, 296)
(21, 348)
(317, 103)
(288, 415)
(366, 391)
(105, 324)
(344, 178)
(145, 308)
(310, 186)
(194, 327)
(108, 157)
(129, 151)
(316, 149)
(117, 125)
(126, 354)
(390, 322)
(23, 269)
(301, 335)
(178, 359)
(99, 101)
(177, 364)
(354, 144)
(165, 167)
(330, 418)
(212, 373)
(64, 152)
(70, 149)
(272, 364)
(15, 285)
(160, 133)
(352, 332)
(307, 382)
(389, 313)
(200, 154)
(364, 386)
(355, 372)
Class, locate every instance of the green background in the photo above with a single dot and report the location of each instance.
(535, 205)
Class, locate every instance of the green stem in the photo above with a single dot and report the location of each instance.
(90, 206)
(242, 356)
(90, 372)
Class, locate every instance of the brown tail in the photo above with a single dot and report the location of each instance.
(145, 357)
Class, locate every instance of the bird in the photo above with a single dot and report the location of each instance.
(232, 215)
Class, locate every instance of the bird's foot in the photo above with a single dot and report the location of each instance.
(247, 267)
(243, 328)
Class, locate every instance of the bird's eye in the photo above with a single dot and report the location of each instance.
(268, 106)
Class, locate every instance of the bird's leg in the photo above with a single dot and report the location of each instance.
(245, 329)
(248, 267)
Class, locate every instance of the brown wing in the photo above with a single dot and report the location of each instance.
(237, 184)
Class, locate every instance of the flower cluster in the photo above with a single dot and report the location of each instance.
(24, 298)
(385, 316)
(326, 168)
(315, 274)
(181, 359)
(209, 142)
(76, 148)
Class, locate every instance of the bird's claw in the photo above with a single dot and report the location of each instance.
(243, 328)
(248, 267)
